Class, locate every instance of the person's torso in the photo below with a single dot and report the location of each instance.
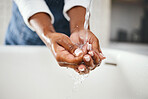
(19, 34)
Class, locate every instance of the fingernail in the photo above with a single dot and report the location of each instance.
(91, 53)
(78, 52)
(89, 46)
(81, 69)
(87, 58)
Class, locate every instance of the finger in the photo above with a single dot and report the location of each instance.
(84, 49)
(89, 46)
(88, 61)
(95, 57)
(63, 55)
(69, 46)
(97, 49)
(68, 58)
(85, 72)
(100, 55)
(78, 52)
(83, 69)
(64, 64)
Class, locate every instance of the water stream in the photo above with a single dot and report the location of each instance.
(79, 79)
(87, 17)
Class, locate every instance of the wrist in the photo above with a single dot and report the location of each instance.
(76, 28)
(77, 18)
(46, 37)
(41, 22)
(48, 30)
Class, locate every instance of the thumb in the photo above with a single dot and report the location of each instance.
(69, 46)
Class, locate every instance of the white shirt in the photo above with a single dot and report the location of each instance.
(28, 8)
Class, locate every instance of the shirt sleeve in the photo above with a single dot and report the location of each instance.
(28, 8)
(71, 3)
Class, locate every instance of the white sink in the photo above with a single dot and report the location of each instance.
(28, 72)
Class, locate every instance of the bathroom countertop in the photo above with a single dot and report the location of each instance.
(31, 72)
(131, 47)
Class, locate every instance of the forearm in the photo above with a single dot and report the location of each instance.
(41, 22)
(77, 18)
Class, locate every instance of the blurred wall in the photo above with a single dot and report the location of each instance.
(5, 11)
(125, 16)
(100, 20)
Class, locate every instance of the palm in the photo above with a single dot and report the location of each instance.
(83, 37)
(65, 58)
(60, 46)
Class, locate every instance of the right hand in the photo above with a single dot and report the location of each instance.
(91, 48)
(66, 53)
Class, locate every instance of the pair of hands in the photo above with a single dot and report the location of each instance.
(76, 51)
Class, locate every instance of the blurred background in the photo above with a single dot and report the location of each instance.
(119, 24)
(32, 72)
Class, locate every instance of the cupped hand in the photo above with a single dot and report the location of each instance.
(89, 43)
(66, 53)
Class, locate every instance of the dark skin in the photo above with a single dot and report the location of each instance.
(64, 47)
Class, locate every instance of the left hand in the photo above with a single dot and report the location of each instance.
(89, 43)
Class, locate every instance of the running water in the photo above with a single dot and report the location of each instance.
(87, 17)
(79, 79)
